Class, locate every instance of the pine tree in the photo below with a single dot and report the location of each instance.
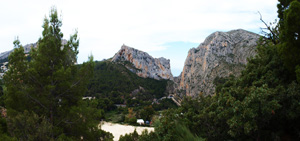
(50, 87)
(289, 47)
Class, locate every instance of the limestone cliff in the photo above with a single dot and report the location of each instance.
(143, 64)
(221, 54)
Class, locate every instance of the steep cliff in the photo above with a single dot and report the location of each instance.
(143, 64)
(220, 55)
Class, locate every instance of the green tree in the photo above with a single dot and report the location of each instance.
(131, 116)
(147, 113)
(289, 46)
(130, 137)
(2, 97)
(30, 126)
(261, 104)
(50, 87)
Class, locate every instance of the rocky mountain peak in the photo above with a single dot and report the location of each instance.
(143, 64)
(220, 55)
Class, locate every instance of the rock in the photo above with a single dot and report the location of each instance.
(143, 64)
(221, 54)
(5, 54)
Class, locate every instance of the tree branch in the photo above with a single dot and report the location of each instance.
(273, 35)
(37, 101)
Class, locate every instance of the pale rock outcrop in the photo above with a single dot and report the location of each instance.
(221, 54)
(143, 64)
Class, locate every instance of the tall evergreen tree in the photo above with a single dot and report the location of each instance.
(289, 23)
(50, 88)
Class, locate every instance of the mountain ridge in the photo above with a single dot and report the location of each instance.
(143, 64)
(220, 55)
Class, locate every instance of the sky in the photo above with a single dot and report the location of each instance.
(162, 28)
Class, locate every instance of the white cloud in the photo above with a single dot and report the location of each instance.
(105, 25)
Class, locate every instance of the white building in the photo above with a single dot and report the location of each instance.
(140, 121)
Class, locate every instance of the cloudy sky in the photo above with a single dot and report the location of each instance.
(167, 28)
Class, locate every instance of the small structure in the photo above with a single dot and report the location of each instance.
(140, 121)
(88, 97)
(147, 122)
(120, 105)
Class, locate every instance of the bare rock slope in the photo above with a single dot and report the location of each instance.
(143, 64)
(221, 54)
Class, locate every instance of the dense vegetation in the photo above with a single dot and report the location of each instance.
(43, 95)
(115, 81)
(45, 89)
(113, 84)
(261, 104)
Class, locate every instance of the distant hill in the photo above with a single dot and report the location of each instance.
(116, 82)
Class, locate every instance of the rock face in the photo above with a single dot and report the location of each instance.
(143, 64)
(221, 54)
(5, 54)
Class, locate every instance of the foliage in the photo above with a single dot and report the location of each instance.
(146, 113)
(44, 94)
(185, 134)
(2, 96)
(167, 128)
(147, 136)
(262, 103)
(115, 82)
(131, 116)
(130, 137)
(116, 116)
(164, 104)
(30, 126)
(4, 136)
(289, 46)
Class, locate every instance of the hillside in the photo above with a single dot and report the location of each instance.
(121, 86)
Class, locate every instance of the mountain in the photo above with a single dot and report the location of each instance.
(143, 64)
(4, 55)
(27, 48)
(110, 77)
(220, 55)
(116, 84)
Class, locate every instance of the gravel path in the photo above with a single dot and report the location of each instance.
(118, 129)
